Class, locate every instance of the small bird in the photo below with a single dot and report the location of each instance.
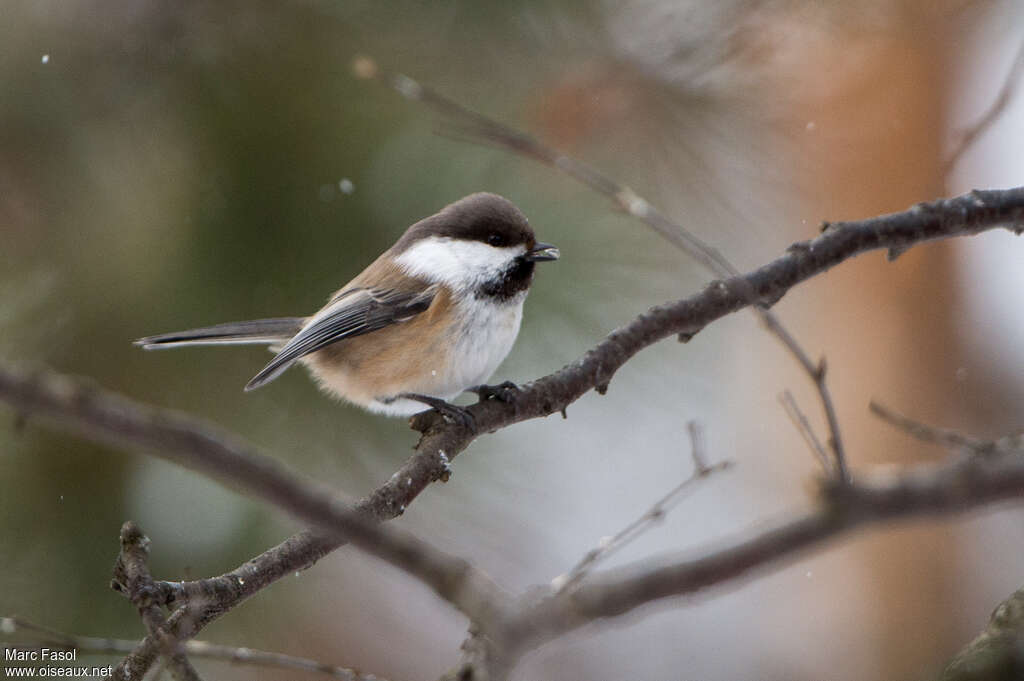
(430, 318)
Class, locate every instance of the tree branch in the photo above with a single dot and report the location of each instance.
(944, 437)
(132, 578)
(964, 215)
(925, 491)
(111, 418)
(803, 426)
(105, 417)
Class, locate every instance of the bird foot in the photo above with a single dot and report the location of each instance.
(506, 392)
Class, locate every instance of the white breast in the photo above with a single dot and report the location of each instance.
(488, 331)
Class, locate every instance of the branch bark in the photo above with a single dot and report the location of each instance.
(132, 578)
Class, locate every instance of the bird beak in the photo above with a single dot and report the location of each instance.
(541, 252)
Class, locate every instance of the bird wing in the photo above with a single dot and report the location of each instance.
(351, 313)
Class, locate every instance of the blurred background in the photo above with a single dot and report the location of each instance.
(166, 165)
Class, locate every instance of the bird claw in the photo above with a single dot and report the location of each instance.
(506, 392)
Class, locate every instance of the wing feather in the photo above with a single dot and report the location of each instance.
(351, 313)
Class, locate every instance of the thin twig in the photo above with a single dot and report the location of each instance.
(90, 645)
(945, 437)
(698, 451)
(970, 135)
(655, 514)
(816, 372)
(803, 426)
(468, 125)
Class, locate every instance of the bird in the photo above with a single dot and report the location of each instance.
(432, 317)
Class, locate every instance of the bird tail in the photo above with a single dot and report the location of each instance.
(255, 332)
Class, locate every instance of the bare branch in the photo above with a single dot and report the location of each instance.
(803, 426)
(655, 514)
(468, 125)
(298, 552)
(132, 578)
(950, 439)
(816, 372)
(698, 451)
(111, 418)
(924, 491)
(12, 626)
(970, 135)
(944, 437)
(968, 214)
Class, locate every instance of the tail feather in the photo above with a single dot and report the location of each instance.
(255, 332)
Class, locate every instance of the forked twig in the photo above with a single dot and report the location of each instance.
(132, 578)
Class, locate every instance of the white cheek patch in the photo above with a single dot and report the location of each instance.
(461, 264)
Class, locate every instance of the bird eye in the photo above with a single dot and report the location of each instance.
(496, 240)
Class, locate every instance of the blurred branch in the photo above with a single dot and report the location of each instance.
(90, 645)
(970, 135)
(803, 426)
(113, 419)
(950, 439)
(998, 652)
(935, 490)
(469, 125)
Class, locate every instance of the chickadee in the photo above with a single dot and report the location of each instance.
(432, 317)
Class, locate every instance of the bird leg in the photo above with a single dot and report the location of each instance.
(452, 412)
